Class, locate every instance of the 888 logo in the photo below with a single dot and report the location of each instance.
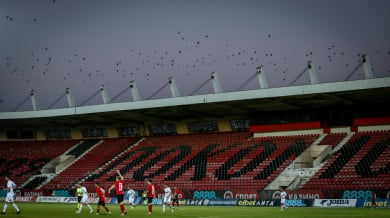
(3, 193)
(61, 193)
(295, 203)
(360, 194)
(204, 195)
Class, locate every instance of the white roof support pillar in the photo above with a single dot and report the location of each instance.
(312, 73)
(216, 84)
(106, 98)
(69, 98)
(261, 77)
(34, 101)
(367, 67)
(174, 90)
(134, 91)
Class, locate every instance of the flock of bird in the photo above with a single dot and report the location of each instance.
(43, 61)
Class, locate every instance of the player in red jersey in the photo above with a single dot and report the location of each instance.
(151, 192)
(100, 192)
(175, 198)
(119, 185)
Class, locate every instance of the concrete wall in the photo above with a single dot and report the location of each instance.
(340, 130)
(373, 128)
(224, 125)
(40, 134)
(314, 154)
(112, 132)
(288, 133)
(181, 128)
(3, 135)
(319, 152)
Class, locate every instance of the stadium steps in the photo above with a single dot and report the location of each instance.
(325, 139)
(73, 147)
(333, 139)
(287, 178)
(362, 163)
(90, 147)
(302, 182)
(78, 158)
(106, 165)
(49, 177)
(93, 160)
(28, 181)
(34, 182)
(24, 159)
(343, 142)
(82, 148)
(50, 167)
(25, 184)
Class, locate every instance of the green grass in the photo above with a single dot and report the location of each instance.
(42, 210)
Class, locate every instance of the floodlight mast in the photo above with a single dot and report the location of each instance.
(105, 96)
(261, 77)
(134, 91)
(367, 67)
(69, 98)
(312, 73)
(216, 84)
(173, 86)
(34, 100)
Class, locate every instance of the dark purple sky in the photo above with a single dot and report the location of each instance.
(49, 45)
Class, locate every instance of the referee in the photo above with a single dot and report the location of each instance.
(79, 194)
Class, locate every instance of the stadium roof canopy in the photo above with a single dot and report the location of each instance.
(242, 103)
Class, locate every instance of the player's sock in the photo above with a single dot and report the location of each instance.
(5, 208)
(15, 206)
(281, 208)
(89, 206)
(122, 208)
(150, 208)
(108, 210)
(177, 204)
(78, 205)
(98, 210)
(81, 207)
(164, 207)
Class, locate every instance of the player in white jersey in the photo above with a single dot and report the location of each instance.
(130, 195)
(283, 195)
(84, 199)
(10, 196)
(167, 197)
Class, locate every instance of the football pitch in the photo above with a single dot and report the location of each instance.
(42, 210)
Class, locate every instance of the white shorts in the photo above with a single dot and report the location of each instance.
(167, 199)
(131, 200)
(9, 198)
(84, 199)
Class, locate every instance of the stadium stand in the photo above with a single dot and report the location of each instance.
(89, 161)
(207, 161)
(362, 163)
(23, 159)
(333, 139)
(203, 161)
(84, 146)
(34, 183)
